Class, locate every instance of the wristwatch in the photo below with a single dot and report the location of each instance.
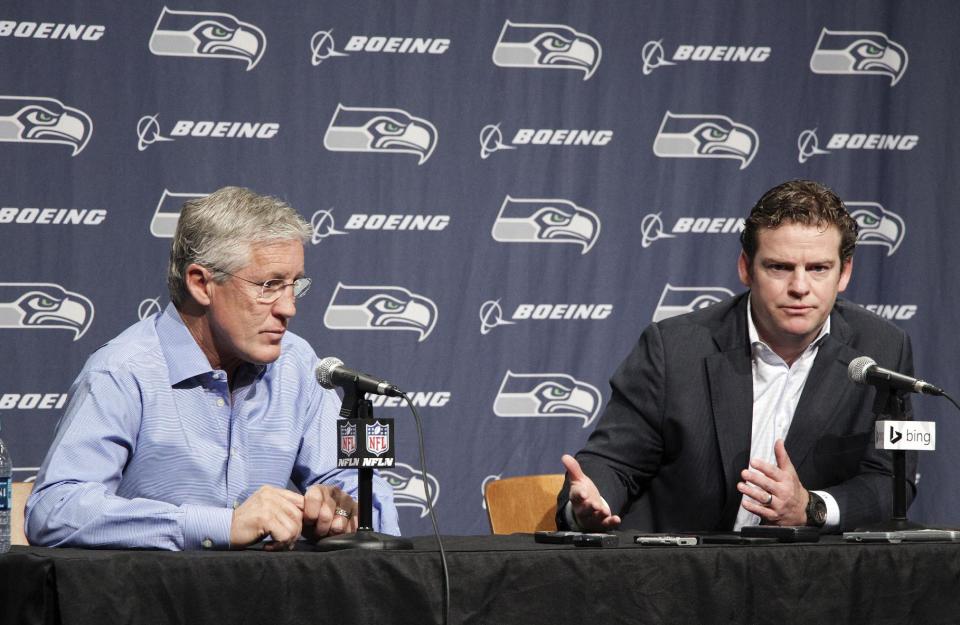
(816, 510)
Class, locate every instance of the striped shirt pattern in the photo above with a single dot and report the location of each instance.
(155, 450)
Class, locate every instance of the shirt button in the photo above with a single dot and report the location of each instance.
(236, 504)
(233, 453)
(220, 403)
(207, 543)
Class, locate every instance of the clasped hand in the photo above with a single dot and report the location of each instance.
(284, 515)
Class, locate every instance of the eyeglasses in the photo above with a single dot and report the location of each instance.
(271, 290)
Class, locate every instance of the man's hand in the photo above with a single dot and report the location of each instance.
(271, 510)
(589, 508)
(774, 493)
(328, 511)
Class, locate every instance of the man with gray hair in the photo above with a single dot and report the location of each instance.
(184, 431)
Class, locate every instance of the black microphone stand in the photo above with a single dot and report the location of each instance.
(357, 406)
(889, 405)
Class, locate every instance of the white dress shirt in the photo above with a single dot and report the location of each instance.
(777, 387)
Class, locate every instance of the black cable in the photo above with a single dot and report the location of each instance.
(433, 515)
(952, 401)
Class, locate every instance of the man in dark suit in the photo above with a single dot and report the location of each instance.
(742, 413)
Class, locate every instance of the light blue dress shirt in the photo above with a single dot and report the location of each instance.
(155, 450)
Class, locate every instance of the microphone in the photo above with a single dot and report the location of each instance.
(331, 373)
(864, 370)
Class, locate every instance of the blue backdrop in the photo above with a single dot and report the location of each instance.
(503, 193)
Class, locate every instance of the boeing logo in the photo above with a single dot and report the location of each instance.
(148, 130)
(323, 47)
(705, 136)
(491, 138)
(491, 314)
(33, 401)
(858, 52)
(52, 30)
(325, 226)
(653, 54)
(52, 216)
(808, 145)
(149, 306)
(652, 227)
(893, 312)
(421, 399)
(546, 46)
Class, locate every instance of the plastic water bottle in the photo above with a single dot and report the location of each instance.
(6, 496)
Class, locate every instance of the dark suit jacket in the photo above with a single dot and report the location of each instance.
(668, 450)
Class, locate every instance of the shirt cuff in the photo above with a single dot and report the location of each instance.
(833, 510)
(206, 527)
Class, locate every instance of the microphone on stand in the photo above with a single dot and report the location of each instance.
(864, 370)
(331, 373)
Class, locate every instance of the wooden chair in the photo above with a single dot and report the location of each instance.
(523, 504)
(21, 491)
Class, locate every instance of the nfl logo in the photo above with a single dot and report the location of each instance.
(348, 439)
(378, 438)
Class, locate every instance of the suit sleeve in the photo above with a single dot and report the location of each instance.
(625, 449)
(868, 496)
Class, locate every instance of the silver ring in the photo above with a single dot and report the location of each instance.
(769, 499)
(342, 512)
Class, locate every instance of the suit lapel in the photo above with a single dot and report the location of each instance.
(730, 379)
(822, 391)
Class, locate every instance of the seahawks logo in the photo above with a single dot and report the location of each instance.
(409, 489)
(26, 119)
(208, 36)
(858, 52)
(44, 306)
(878, 226)
(679, 300)
(546, 395)
(167, 214)
(380, 308)
(359, 129)
(546, 221)
(705, 136)
(547, 46)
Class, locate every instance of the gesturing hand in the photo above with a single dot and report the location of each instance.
(589, 508)
(774, 492)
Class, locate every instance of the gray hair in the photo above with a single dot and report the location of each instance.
(217, 232)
